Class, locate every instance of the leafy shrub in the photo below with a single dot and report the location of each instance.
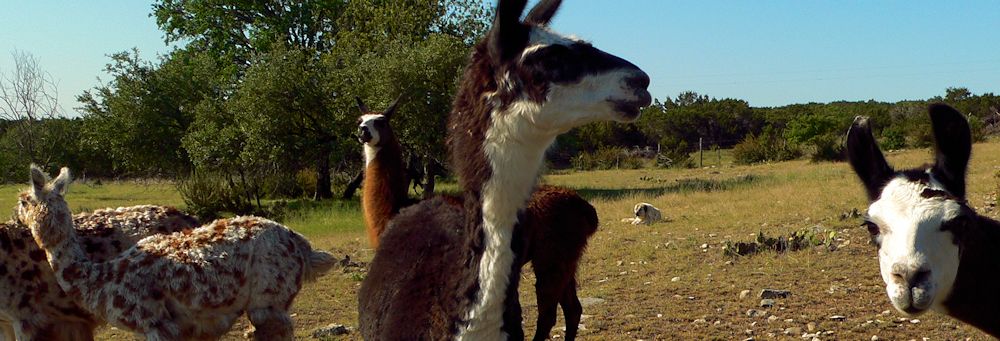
(978, 129)
(763, 148)
(827, 148)
(893, 138)
(209, 195)
(306, 181)
(607, 158)
(675, 158)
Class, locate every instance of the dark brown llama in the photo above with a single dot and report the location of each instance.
(442, 271)
(552, 234)
(935, 252)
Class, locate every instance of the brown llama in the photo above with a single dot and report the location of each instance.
(186, 285)
(442, 271)
(557, 218)
(384, 190)
(31, 301)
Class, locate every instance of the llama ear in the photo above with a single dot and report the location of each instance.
(361, 105)
(388, 113)
(509, 36)
(866, 159)
(953, 147)
(543, 12)
(38, 180)
(61, 183)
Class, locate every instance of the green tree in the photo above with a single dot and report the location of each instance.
(300, 63)
(140, 116)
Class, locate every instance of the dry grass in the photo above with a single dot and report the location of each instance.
(631, 267)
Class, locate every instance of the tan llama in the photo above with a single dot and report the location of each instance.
(32, 305)
(182, 286)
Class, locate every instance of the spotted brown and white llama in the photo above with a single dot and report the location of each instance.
(935, 252)
(186, 285)
(552, 234)
(442, 271)
(32, 304)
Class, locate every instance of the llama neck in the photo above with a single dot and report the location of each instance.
(370, 153)
(974, 297)
(384, 190)
(514, 151)
(57, 237)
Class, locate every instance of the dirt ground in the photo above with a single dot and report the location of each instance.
(672, 281)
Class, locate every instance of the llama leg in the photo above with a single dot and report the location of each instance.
(547, 295)
(512, 304)
(271, 324)
(572, 310)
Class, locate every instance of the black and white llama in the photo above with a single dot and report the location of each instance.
(935, 252)
(442, 270)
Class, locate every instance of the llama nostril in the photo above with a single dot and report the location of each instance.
(898, 278)
(919, 277)
(639, 81)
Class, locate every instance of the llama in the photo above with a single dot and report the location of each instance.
(555, 217)
(935, 252)
(30, 297)
(186, 285)
(385, 181)
(442, 271)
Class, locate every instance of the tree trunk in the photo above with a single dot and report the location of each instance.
(323, 185)
(353, 186)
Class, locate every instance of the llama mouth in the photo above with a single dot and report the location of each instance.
(630, 109)
(364, 136)
(913, 311)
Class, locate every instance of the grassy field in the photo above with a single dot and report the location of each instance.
(670, 280)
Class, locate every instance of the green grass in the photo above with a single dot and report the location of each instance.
(631, 267)
(85, 197)
(324, 218)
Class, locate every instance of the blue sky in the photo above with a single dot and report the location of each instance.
(769, 53)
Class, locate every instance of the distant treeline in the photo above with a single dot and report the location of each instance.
(675, 126)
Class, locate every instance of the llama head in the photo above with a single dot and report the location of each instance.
(373, 127)
(917, 217)
(558, 82)
(43, 207)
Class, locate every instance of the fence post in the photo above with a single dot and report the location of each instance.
(701, 154)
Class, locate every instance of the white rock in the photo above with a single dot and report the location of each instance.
(589, 301)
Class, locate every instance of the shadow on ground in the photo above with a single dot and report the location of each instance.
(678, 186)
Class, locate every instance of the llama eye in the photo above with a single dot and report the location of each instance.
(872, 227)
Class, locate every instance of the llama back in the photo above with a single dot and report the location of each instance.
(421, 275)
(136, 222)
(562, 215)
